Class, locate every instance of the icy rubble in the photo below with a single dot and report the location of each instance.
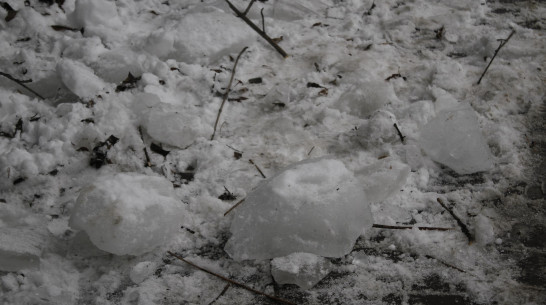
(79, 79)
(315, 206)
(20, 248)
(365, 98)
(127, 213)
(454, 139)
(302, 269)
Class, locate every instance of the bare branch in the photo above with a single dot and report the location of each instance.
(461, 224)
(274, 298)
(21, 83)
(259, 170)
(503, 42)
(248, 7)
(410, 227)
(257, 29)
(233, 207)
(227, 92)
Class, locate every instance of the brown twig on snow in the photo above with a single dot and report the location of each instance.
(445, 264)
(263, 19)
(503, 42)
(233, 207)
(461, 224)
(399, 133)
(227, 92)
(221, 294)
(410, 227)
(21, 83)
(274, 298)
(261, 173)
(243, 16)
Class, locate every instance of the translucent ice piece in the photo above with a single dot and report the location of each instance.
(302, 269)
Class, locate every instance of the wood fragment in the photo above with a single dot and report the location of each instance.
(379, 226)
(461, 224)
(503, 42)
(263, 19)
(227, 92)
(21, 83)
(311, 150)
(63, 28)
(259, 170)
(221, 294)
(444, 263)
(243, 16)
(147, 156)
(399, 133)
(234, 206)
(232, 282)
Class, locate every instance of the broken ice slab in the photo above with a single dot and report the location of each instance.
(315, 206)
(302, 269)
(20, 248)
(453, 138)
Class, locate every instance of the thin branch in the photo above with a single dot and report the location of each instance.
(274, 298)
(461, 224)
(221, 294)
(445, 264)
(399, 133)
(248, 7)
(263, 19)
(261, 173)
(21, 83)
(148, 162)
(311, 150)
(503, 42)
(233, 207)
(257, 29)
(227, 92)
(410, 227)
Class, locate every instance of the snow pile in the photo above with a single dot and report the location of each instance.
(127, 213)
(79, 79)
(95, 14)
(302, 269)
(314, 206)
(453, 138)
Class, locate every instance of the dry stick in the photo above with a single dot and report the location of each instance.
(148, 162)
(261, 173)
(243, 16)
(461, 224)
(399, 133)
(221, 294)
(233, 207)
(21, 83)
(228, 89)
(248, 7)
(231, 281)
(503, 42)
(263, 19)
(311, 150)
(410, 227)
(444, 263)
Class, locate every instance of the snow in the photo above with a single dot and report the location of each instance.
(315, 206)
(454, 138)
(127, 213)
(409, 63)
(302, 269)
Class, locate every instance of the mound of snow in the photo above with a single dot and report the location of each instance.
(127, 213)
(454, 139)
(364, 99)
(302, 269)
(95, 13)
(79, 79)
(314, 206)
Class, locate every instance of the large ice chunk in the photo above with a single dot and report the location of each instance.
(127, 213)
(315, 206)
(302, 269)
(20, 248)
(79, 78)
(364, 99)
(454, 139)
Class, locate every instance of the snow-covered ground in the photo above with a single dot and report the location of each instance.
(110, 163)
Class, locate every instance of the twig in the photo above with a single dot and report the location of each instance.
(461, 224)
(227, 92)
(221, 294)
(410, 227)
(399, 133)
(261, 173)
(274, 298)
(263, 19)
(248, 7)
(148, 162)
(311, 150)
(503, 42)
(233, 207)
(444, 263)
(21, 83)
(257, 29)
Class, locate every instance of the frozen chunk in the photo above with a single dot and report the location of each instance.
(302, 269)
(364, 99)
(314, 206)
(383, 178)
(379, 129)
(79, 78)
(20, 248)
(454, 139)
(175, 128)
(93, 13)
(127, 213)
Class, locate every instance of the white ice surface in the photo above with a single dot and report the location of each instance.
(302, 269)
(127, 213)
(79, 79)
